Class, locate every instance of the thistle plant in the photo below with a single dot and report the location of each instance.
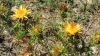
(19, 13)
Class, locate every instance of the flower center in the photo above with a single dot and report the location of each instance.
(56, 50)
(21, 13)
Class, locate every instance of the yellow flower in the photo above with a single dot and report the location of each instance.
(72, 28)
(98, 37)
(20, 13)
(36, 30)
(1, 7)
(57, 49)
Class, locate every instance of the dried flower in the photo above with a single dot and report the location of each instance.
(23, 42)
(72, 28)
(62, 6)
(19, 13)
(25, 53)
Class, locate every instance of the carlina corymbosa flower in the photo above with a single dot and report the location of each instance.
(19, 13)
(56, 49)
(35, 30)
(1, 7)
(72, 28)
(97, 36)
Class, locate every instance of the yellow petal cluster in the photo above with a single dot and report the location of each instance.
(57, 49)
(72, 28)
(1, 7)
(37, 30)
(98, 37)
(20, 13)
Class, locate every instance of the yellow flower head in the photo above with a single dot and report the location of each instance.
(1, 7)
(72, 28)
(97, 36)
(57, 49)
(35, 30)
(20, 13)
